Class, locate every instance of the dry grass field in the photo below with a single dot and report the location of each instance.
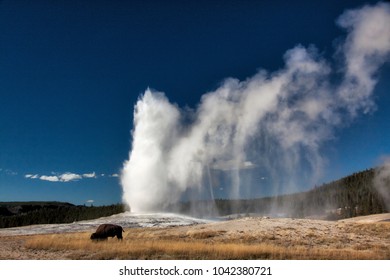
(246, 238)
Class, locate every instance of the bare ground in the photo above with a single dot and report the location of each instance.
(12, 248)
(362, 237)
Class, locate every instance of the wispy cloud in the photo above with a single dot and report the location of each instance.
(113, 175)
(31, 176)
(55, 177)
(66, 177)
(49, 178)
(8, 172)
(90, 175)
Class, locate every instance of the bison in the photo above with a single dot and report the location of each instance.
(107, 230)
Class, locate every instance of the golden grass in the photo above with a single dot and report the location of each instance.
(209, 244)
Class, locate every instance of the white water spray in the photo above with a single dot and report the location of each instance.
(274, 123)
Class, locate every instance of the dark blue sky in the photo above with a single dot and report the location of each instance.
(71, 72)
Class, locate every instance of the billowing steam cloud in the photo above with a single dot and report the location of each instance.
(274, 123)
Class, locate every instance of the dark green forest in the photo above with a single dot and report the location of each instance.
(15, 214)
(351, 196)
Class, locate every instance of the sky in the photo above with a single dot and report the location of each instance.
(71, 73)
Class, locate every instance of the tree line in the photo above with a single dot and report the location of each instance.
(351, 196)
(22, 214)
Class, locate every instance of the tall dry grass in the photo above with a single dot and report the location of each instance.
(160, 244)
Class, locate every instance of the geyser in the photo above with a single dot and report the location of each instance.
(273, 123)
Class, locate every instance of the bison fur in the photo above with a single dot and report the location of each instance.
(107, 230)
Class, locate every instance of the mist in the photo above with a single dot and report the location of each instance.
(265, 133)
(382, 181)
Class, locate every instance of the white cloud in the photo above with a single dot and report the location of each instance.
(49, 178)
(31, 176)
(90, 175)
(66, 177)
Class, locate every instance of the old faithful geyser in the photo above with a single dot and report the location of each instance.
(274, 122)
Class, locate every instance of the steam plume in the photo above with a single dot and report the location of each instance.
(382, 181)
(273, 122)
